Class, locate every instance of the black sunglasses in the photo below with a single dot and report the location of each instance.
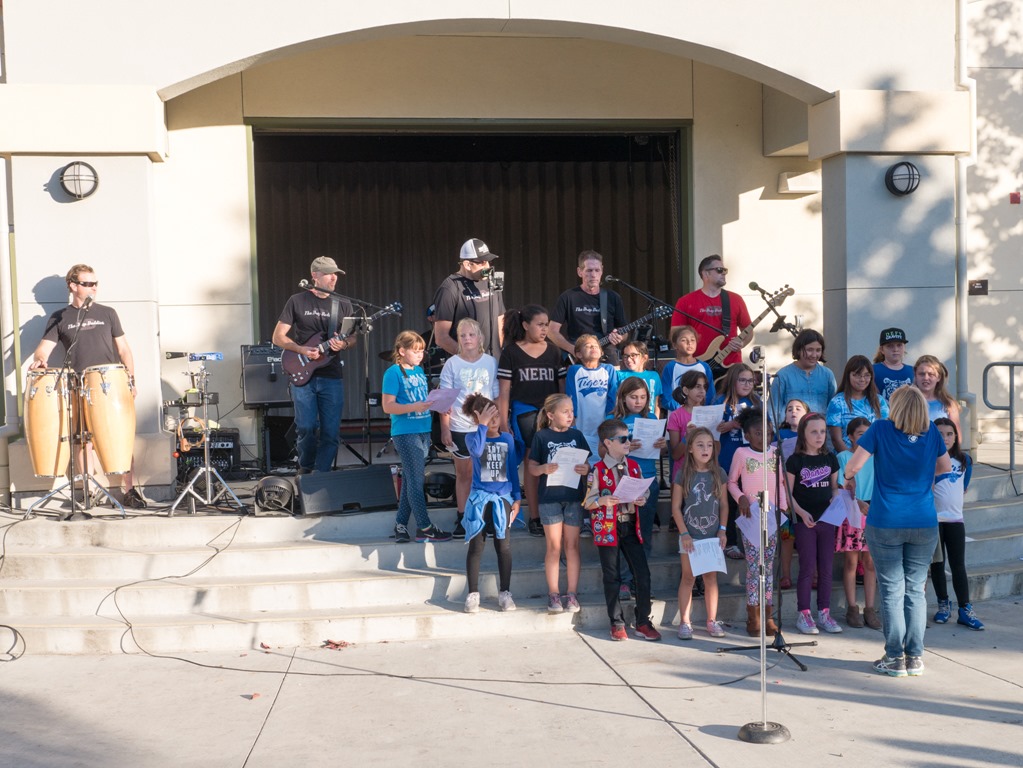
(719, 270)
(86, 283)
(623, 439)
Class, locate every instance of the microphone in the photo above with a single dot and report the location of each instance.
(174, 355)
(306, 285)
(611, 279)
(753, 286)
(87, 302)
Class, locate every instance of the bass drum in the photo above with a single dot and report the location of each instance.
(47, 429)
(109, 415)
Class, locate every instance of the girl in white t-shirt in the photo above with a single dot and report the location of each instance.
(471, 372)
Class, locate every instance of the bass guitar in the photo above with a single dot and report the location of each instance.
(300, 368)
(658, 314)
(715, 355)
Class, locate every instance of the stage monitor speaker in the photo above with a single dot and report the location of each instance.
(264, 382)
(347, 490)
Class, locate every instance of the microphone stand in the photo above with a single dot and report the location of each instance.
(654, 301)
(305, 285)
(780, 322)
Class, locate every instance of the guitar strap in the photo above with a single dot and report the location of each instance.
(726, 314)
(604, 330)
(335, 312)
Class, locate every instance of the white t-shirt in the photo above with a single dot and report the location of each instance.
(479, 377)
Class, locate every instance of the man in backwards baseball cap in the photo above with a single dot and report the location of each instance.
(890, 372)
(468, 293)
(305, 324)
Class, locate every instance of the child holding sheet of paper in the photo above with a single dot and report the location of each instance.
(745, 482)
(850, 540)
(699, 504)
(813, 475)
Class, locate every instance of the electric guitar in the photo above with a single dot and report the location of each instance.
(658, 314)
(715, 355)
(300, 368)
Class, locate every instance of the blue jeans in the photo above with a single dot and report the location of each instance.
(902, 557)
(412, 449)
(318, 407)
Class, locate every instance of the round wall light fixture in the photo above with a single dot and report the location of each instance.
(902, 179)
(79, 179)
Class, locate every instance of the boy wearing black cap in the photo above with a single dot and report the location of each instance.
(890, 372)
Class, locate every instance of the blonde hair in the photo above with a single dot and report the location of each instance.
(907, 410)
(543, 419)
(940, 393)
(406, 340)
(468, 322)
(687, 471)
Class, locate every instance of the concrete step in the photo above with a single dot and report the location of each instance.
(992, 514)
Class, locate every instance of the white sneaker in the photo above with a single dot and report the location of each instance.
(472, 603)
(504, 601)
(804, 623)
(828, 624)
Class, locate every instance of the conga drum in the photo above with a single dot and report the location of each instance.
(109, 415)
(46, 421)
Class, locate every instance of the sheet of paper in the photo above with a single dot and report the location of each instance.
(707, 556)
(566, 457)
(630, 489)
(750, 526)
(647, 431)
(442, 398)
(838, 510)
(708, 416)
(855, 516)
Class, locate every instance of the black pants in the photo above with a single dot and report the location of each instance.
(953, 542)
(501, 546)
(631, 549)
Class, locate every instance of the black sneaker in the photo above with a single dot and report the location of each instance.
(892, 667)
(459, 532)
(401, 534)
(431, 533)
(535, 527)
(134, 499)
(914, 666)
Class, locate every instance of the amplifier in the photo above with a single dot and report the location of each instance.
(264, 382)
(225, 451)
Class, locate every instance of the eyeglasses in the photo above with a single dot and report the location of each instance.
(86, 283)
(622, 439)
(719, 270)
(746, 381)
(627, 355)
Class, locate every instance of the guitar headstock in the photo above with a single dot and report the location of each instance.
(663, 311)
(780, 295)
(394, 308)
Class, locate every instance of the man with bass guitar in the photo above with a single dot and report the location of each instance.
(713, 306)
(309, 319)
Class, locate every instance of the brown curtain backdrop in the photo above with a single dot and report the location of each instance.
(393, 211)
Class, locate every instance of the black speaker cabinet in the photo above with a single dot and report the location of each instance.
(264, 382)
(347, 490)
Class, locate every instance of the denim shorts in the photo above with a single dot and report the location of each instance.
(567, 512)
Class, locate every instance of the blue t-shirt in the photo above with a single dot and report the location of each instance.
(731, 440)
(936, 409)
(903, 475)
(653, 383)
(647, 466)
(671, 377)
(495, 462)
(408, 387)
(840, 413)
(888, 381)
(593, 392)
(864, 478)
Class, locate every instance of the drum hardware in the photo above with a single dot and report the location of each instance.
(206, 485)
(107, 419)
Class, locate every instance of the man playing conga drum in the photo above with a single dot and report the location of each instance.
(100, 341)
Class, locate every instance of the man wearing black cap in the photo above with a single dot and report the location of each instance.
(309, 318)
(470, 292)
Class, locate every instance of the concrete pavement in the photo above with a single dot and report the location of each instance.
(567, 699)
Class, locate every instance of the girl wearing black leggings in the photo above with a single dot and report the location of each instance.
(949, 490)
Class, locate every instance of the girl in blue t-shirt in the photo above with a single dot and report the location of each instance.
(851, 541)
(857, 396)
(683, 341)
(404, 400)
(634, 361)
(737, 395)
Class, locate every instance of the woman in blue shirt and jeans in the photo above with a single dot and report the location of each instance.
(902, 528)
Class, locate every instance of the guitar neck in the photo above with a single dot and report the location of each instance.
(603, 340)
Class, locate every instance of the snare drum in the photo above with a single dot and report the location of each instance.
(46, 421)
(110, 415)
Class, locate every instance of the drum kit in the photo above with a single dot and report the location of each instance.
(65, 411)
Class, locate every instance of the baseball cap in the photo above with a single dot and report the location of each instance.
(892, 334)
(326, 265)
(476, 250)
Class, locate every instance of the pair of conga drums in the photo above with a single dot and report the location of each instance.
(103, 394)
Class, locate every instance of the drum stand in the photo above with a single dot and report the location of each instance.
(205, 474)
(78, 441)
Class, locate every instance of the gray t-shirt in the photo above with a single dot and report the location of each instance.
(701, 510)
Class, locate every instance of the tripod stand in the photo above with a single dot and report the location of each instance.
(203, 476)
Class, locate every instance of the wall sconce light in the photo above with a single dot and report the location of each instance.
(79, 179)
(902, 179)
